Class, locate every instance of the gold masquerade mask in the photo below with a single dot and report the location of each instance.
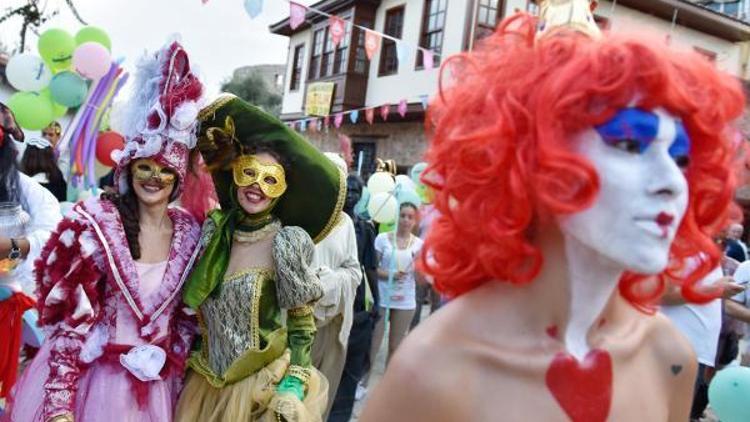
(146, 169)
(270, 177)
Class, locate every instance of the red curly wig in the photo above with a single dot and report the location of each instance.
(500, 157)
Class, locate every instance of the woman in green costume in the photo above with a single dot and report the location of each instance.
(278, 194)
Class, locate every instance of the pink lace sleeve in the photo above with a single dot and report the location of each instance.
(184, 330)
(67, 287)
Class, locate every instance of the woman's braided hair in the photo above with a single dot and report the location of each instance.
(127, 206)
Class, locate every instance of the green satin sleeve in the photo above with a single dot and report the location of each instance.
(300, 326)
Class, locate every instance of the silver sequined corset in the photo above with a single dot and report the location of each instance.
(231, 318)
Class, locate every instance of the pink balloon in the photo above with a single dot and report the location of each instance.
(91, 60)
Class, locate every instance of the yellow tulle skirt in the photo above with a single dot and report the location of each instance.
(252, 399)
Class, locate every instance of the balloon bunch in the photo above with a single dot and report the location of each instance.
(385, 194)
(56, 80)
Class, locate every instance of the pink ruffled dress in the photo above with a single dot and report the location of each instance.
(118, 332)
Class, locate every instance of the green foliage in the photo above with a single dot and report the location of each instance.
(254, 89)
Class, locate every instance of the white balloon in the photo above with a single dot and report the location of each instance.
(405, 182)
(380, 182)
(383, 208)
(27, 72)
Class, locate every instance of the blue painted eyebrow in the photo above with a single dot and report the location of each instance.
(681, 145)
(642, 126)
(630, 123)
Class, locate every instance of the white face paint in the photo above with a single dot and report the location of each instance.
(643, 192)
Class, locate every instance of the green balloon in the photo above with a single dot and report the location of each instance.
(32, 110)
(58, 110)
(729, 392)
(386, 228)
(56, 47)
(68, 89)
(93, 34)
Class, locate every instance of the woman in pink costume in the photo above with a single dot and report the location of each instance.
(109, 279)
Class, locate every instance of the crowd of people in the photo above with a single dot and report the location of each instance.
(227, 272)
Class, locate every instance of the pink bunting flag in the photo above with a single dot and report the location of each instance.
(372, 43)
(296, 14)
(385, 109)
(326, 122)
(370, 115)
(313, 125)
(402, 107)
(337, 28)
(428, 58)
(338, 120)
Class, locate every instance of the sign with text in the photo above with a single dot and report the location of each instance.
(319, 98)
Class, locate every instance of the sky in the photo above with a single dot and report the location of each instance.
(219, 36)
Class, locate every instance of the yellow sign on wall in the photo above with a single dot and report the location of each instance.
(319, 98)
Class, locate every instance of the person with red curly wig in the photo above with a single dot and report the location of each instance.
(575, 176)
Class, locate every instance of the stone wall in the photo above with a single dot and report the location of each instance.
(402, 141)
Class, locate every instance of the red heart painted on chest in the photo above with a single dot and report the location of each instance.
(583, 390)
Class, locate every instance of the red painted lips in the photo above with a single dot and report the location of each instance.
(664, 219)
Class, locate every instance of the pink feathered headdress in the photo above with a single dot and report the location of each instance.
(160, 120)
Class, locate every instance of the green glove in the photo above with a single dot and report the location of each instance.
(291, 385)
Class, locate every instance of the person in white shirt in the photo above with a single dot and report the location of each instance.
(397, 256)
(28, 214)
(336, 263)
(701, 324)
(39, 204)
(739, 306)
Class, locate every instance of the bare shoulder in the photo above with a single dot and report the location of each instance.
(667, 341)
(425, 374)
(676, 361)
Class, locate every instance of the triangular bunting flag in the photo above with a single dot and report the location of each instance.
(385, 109)
(372, 43)
(370, 115)
(254, 8)
(338, 119)
(326, 122)
(425, 99)
(337, 29)
(428, 59)
(402, 107)
(296, 14)
(313, 125)
(403, 51)
(354, 116)
(302, 125)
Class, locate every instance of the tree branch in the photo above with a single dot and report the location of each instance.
(73, 9)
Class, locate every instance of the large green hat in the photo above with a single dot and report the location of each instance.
(316, 188)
